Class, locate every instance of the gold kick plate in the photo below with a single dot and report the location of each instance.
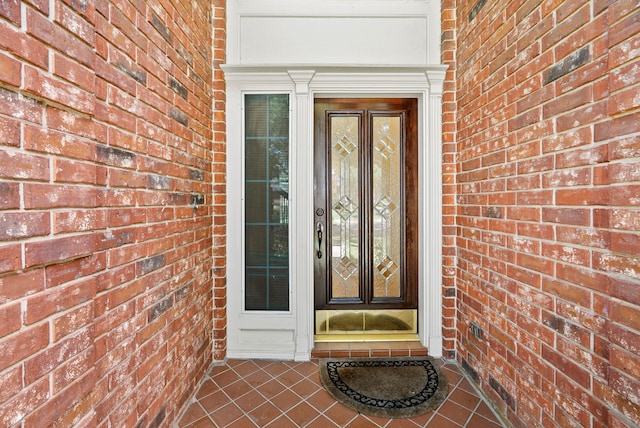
(366, 325)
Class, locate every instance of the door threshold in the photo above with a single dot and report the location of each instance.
(355, 337)
(368, 349)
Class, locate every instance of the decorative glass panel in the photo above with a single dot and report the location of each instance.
(344, 204)
(387, 197)
(267, 202)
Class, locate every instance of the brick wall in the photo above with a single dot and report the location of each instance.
(448, 49)
(219, 183)
(547, 130)
(106, 211)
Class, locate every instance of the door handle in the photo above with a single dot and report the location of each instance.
(319, 233)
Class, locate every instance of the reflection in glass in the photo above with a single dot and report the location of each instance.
(344, 204)
(266, 202)
(386, 139)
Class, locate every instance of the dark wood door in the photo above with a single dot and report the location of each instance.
(366, 210)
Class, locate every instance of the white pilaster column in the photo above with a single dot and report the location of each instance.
(302, 215)
(433, 214)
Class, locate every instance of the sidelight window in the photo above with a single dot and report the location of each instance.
(266, 202)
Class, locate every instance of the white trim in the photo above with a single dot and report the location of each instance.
(432, 158)
(425, 84)
(251, 334)
(303, 205)
(424, 44)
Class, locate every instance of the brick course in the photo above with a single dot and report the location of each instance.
(542, 109)
(106, 291)
(113, 220)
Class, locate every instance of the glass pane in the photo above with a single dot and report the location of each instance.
(255, 245)
(279, 245)
(255, 159)
(279, 289)
(272, 197)
(344, 203)
(268, 285)
(267, 202)
(255, 118)
(279, 161)
(387, 197)
(256, 294)
(256, 192)
(279, 110)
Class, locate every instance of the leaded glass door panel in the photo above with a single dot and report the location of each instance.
(365, 183)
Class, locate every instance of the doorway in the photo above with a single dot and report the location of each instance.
(365, 216)
(291, 334)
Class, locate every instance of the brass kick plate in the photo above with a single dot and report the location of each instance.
(387, 322)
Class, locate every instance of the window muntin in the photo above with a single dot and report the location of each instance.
(266, 208)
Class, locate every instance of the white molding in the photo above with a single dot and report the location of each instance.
(426, 84)
(275, 330)
(433, 215)
(436, 76)
(265, 16)
(332, 7)
(302, 208)
(301, 78)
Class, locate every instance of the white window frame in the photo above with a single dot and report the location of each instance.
(254, 334)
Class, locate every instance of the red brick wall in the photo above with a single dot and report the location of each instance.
(547, 130)
(106, 214)
(448, 48)
(219, 183)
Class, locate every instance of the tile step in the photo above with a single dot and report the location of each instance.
(411, 348)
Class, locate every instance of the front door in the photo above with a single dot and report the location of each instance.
(366, 211)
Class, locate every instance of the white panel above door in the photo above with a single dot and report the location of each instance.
(345, 33)
(333, 40)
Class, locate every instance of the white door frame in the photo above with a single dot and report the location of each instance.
(290, 335)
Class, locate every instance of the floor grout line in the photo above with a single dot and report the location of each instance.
(301, 383)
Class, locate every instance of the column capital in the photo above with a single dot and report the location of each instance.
(436, 76)
(301, 78)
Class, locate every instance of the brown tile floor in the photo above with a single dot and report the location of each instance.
(281, 394)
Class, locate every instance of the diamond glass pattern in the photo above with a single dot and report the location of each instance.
(386, 207)
(387, 267)
(345, 197)
(387, 192)
(386, 146)
(344, 146)
(346, 268)
(345, 207)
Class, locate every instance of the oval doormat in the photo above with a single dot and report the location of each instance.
(385, 387)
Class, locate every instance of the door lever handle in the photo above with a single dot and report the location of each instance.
(319, 232)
